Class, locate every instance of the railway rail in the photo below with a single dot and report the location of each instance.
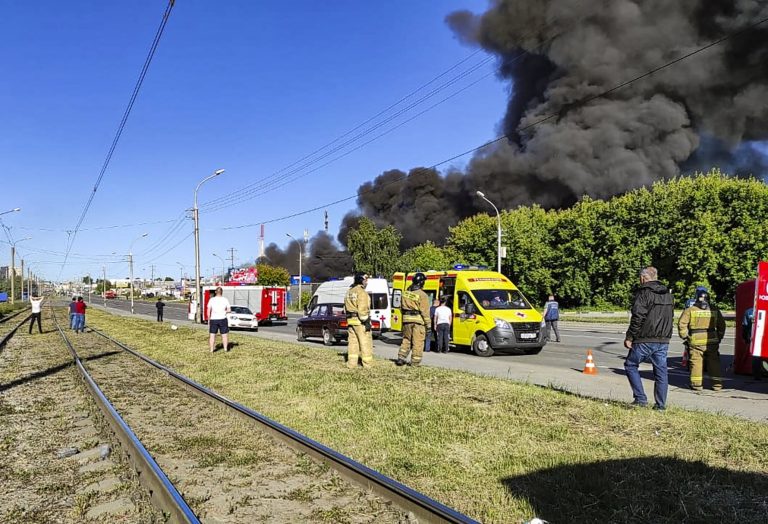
(312, 481)
(7, 334)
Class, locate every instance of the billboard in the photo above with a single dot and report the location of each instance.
(249, 275)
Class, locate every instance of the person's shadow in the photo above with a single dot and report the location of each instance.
(643, 490)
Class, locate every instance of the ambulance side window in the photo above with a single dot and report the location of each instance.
(397, 296)
(466, 304)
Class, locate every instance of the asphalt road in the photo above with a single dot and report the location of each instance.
(558, 365)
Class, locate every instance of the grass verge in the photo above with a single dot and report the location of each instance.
(496, 450)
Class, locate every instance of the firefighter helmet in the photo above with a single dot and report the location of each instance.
(360, 278)
(418, 280)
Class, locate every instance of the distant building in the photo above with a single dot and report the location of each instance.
(5, 271)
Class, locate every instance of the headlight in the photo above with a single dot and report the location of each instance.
(501, 323)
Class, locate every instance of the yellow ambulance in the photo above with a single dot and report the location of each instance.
(489, 312)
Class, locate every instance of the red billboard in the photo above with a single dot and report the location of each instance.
(249, 275)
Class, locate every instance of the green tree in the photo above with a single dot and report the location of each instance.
(100, 288)
(87, 280)
(273, 275)
(428, 256)
(375, 251)
(169, 279)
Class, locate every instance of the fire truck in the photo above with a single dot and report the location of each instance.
(267, 303)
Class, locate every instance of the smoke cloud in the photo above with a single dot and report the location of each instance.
(706, 111)
(323, 259)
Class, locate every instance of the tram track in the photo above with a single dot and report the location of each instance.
(5, 333)
(231, 464)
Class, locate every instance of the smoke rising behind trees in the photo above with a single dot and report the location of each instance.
(708, 110)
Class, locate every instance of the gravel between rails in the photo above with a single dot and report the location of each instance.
(226, 469)
(44, 410)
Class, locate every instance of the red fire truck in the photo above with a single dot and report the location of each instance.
(267, 303)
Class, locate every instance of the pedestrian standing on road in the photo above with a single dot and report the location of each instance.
(431, 334)
(416, 321)
(551, 317)
(37, 303)
(357, 305)
(648, 336)
(442, 321)
(80, 308)
(218, 307)
(72, 313)
(702, 327)
(159, 305)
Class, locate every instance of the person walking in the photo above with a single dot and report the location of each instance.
(648, 336)
(80, 307)
(357, 304)
(416, 321)
(442, 321)
(37, 303)
(159, 305)
(551, 317)
(218, 307)
(72, 313)
(702, 327)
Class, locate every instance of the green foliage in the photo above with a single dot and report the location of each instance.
(169, 279)
(87, 280)
(273, 275)
(428, 256)
(707, 229)
(375, 251)
(100, 288)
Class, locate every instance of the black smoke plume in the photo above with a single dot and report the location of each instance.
(706, 111)
(322, 258)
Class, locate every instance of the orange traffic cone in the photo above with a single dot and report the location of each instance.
(589, 367)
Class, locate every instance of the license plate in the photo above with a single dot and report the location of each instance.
(527, 335)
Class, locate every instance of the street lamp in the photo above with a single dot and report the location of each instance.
(11, 211)
(130, 264)
(299, 243)
(181, 277)
(13, 266)
(196, 217)
(223, 271)
(498, 231)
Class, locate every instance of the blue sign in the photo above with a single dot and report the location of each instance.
(304, 280)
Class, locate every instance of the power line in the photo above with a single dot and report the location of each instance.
(541, 120)
(120, 129)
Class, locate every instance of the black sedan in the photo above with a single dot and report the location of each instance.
(329, 322)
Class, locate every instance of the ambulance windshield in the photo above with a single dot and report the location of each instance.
(500, 299)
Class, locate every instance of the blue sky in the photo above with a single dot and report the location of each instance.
(247, 86)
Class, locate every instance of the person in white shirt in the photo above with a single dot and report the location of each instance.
(442, 323)
(36, 312)
(218, 307)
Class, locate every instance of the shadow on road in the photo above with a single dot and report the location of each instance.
(651, 489)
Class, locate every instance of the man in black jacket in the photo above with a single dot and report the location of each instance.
(647, 339)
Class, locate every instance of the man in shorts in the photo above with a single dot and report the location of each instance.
(218, 307)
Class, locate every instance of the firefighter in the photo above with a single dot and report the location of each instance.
(702, 327)
(357, 304)
(416, 321)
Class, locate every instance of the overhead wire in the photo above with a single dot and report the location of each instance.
(537, 122)
(120, 128)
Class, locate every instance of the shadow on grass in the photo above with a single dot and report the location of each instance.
(651, 489)
(51, 371)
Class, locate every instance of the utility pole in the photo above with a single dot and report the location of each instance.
(152, 269)
(21, 291)
(326, 220)
(13, 273)
(231, 257)
(104, 284)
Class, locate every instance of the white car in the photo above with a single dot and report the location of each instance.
(242, 317)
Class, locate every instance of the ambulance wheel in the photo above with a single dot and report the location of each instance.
(481, 347)
(300, 334)
(328, 339)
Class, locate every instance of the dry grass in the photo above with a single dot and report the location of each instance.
(496, 450)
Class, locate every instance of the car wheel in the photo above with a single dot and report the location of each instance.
(481, 347)
(328, 339)
(300, 334)
(532, 351)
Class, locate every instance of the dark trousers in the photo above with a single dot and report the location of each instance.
(443, 335)
(552, 326)
(35, 316)
(159, 315)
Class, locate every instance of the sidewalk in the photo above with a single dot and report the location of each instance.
(741, 397)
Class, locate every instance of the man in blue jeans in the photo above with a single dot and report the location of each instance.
(647, 338)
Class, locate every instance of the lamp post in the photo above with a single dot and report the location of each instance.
(299, 243)
(130, 264)
(181, 277)
(223, 272)
(195, 216)
(498, 231)
(13, 266)
(15, 209)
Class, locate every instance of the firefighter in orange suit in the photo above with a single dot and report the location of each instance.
(702, 326)
(416, 321)
(357, 304)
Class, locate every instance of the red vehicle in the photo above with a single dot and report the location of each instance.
(110, 293)
(267, 303)
(329, 322)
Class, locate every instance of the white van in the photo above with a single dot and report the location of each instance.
(334, 291)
